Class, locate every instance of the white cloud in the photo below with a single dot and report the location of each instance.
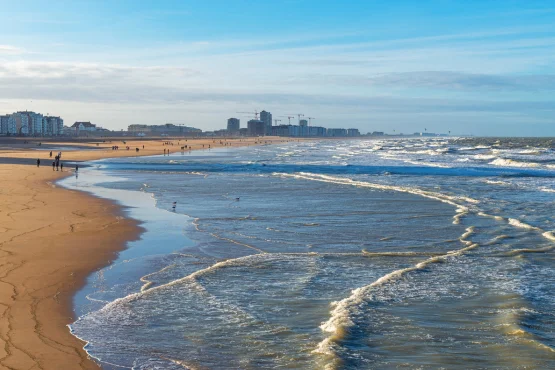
(11, 50)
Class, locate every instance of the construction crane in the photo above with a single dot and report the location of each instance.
(310, 120)
(293, 116)
(255, 113)
(276, 121)
(288, 117)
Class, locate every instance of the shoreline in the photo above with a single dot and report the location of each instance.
(52, 239)
(57, 237)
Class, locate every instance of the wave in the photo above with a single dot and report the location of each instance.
(454, 200)
(549, 235)
(516, 252)
(484, 156)
(430, 164)
(516, 223)
(341, 321)
(531, 152)
(513, 163)
(497, 182)
(468, 148)
(428, 169)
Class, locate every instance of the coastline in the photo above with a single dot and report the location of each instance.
(51, 240)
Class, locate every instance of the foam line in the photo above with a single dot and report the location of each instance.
(449, 199)
(340, 319)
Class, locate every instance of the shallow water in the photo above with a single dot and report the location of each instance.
(408, 253)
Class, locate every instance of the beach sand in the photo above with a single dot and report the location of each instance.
(51, 239)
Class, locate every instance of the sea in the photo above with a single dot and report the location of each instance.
(407, 253)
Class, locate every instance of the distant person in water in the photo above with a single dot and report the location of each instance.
(174, 205)
(76, 168)
(38, 162)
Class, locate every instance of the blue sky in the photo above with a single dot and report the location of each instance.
(469, 67)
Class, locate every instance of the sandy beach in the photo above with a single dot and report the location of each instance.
(51, 239)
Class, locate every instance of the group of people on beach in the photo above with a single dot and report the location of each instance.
(57, 165)
(57, 162)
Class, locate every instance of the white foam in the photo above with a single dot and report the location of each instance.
(453, 200)
(429, 164)
(498, 218)
(511, 163)
(516, 223)
(530, 151)
(497, 182)
(340, 317)
(549, 235)
(461, 210)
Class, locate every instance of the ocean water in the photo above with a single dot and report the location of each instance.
(427, 253)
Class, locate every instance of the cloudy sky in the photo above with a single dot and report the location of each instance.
(469, 67)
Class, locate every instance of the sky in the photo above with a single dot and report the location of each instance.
(466, 67)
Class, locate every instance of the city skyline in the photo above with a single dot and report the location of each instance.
(481, 68)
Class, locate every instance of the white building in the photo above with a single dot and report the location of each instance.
(53, 125)
(30, 123)
(84, 127)
(35, 123)
(18, 123)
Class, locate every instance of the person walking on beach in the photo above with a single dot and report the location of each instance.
(38, 162)
(51, 154)
(57, 165)
(53, 165)
(62, 167)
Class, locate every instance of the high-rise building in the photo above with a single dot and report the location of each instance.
(18, 123)
(266, 117)
(233, 125)
(30, 123)
(256, 127)
(53, 125)
(35, 123)
(4, 124)
(303, 122)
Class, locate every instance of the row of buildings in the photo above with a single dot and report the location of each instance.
(31, 124)
(168, 129)
(264, 127)
(313, 131)
(27, 123)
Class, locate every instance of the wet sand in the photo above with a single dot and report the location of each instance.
(51, 239)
